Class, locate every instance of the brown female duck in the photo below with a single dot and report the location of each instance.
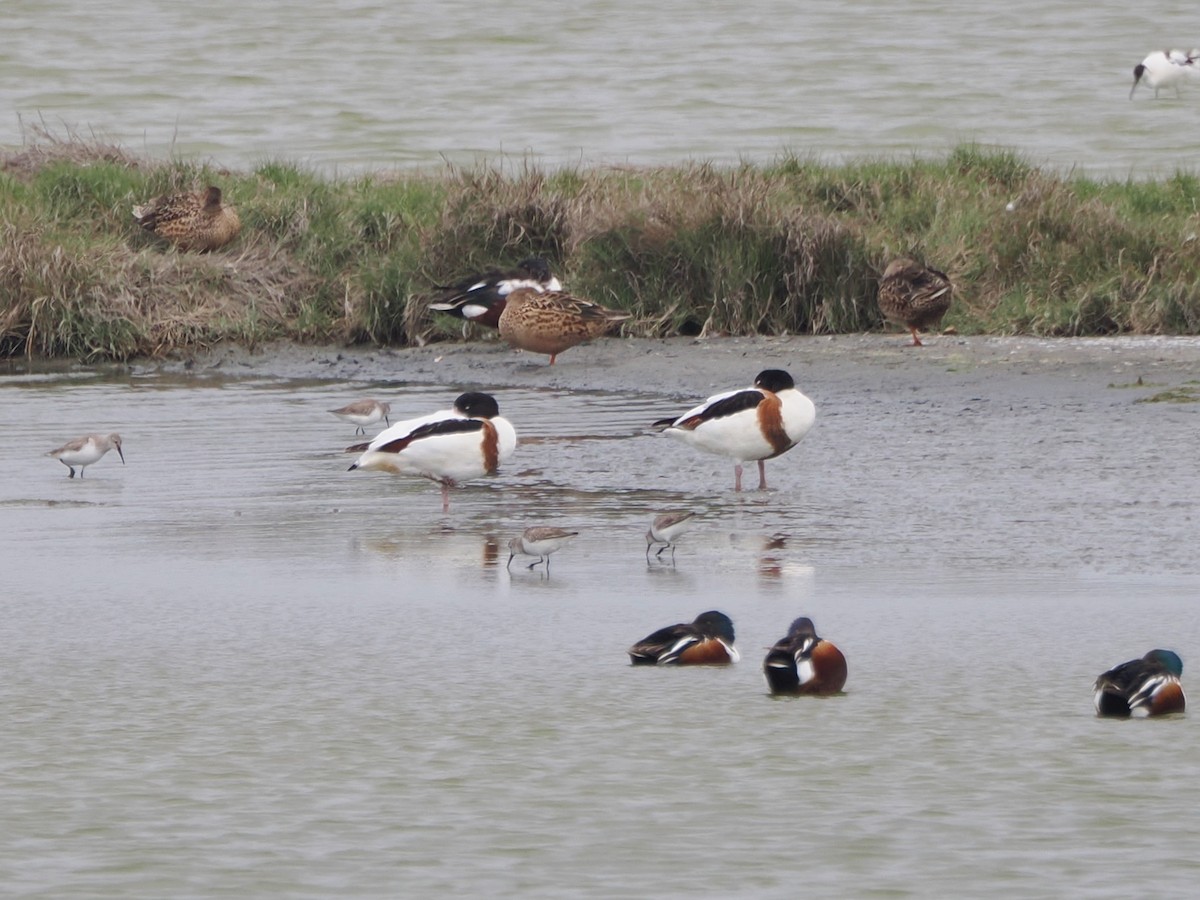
(196, 220)
(914, 296)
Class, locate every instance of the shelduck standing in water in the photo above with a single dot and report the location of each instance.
(468, 441)
(755, 423)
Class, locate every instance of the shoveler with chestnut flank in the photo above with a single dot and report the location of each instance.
(1166, 68)
(707, 641)
(468, 441)
(759, 422)
(552, 321)
(192, 221)
(482, 297)
(1148, 685)
(914, 296)
(362, 413)
(665, 528)
(84, 451)
(803, 663)
(539, 541)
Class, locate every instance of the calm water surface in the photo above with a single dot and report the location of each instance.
(233, 668)
(353, 84)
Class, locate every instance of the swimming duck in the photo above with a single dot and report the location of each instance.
(482, 297)
(1166, 68)
(84, 451)
(468, 441)
(1150, 685)
(553, 321)
(362, 413)
(539, 541)
(914, 295)
(708, 640)
(191, 221)
(802, 663)
(758, 422)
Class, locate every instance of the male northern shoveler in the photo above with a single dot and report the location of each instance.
(759, 422)
(665, 528)
(1166, 68)
(914, 296)
(468, 441)
(539, 541)
(362, 413)
(708, 640)
(482, 297)
(191, 221)
(1150, 685)
(803, 663)
(84, 451)
(551, 321)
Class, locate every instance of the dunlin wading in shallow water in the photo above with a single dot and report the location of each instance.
(665, 528)
(84, 451)
(362, 413)
(755, 423)
(539, 541)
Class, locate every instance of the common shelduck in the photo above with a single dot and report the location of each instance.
(468, 441)
(755, 423)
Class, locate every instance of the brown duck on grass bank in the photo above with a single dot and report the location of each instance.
(196, 220)
(914, 296)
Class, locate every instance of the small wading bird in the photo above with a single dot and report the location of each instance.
(539, 541)
(802, 663)
(552, 321)
(914, 296)
(665, 528)
(192, 221)
(1148, 685)
(1166, 68)
(84, 451)
(362, 413)
(468, 441)
(706, 641)
(482, 297)
(755, 423)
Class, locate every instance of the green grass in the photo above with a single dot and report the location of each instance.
(795, 246)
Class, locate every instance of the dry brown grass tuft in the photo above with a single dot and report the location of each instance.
(42, 148)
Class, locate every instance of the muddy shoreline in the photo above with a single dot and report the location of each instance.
(688, 367)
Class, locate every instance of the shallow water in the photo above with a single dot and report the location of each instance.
(231, 667)
(352, 84)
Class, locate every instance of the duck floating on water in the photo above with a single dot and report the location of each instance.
(1150, 685)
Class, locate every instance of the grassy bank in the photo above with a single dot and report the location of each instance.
(795, 246)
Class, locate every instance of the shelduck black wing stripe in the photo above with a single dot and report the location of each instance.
(727, 406)
(432, 429)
